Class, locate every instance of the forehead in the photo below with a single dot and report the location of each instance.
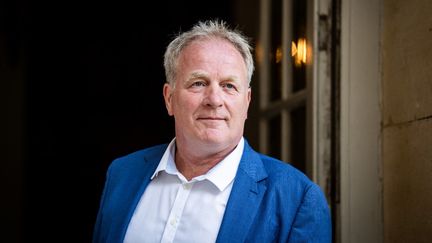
(211, 52)
(207, 45)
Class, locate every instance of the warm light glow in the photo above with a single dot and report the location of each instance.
(259, 53)
(299, 51)
(278, 56)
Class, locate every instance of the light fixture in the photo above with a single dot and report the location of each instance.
(299, 52)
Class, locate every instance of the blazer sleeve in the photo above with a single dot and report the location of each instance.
(312, 222)
(98, 231)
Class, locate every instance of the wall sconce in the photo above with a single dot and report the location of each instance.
(299, 52)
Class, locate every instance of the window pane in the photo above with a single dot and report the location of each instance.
(299, 31)
(298, 138)
(274, 139)
(299, 77)
(276, 51)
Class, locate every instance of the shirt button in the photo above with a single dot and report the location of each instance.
(186, 186)
(173, 221)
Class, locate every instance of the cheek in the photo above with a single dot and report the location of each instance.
(240, 109)
(184, 106)
(244, 104)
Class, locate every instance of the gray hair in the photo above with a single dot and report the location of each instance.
(203, 30)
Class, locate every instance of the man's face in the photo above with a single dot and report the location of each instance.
(211, 95)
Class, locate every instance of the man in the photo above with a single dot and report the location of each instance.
(208, 184)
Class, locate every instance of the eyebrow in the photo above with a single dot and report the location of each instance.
(199, 74)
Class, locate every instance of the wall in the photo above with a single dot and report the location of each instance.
(407, 120)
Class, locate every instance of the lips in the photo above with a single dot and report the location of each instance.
(212, 118)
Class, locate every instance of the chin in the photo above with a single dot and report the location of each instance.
(218, 141)
(212, 139)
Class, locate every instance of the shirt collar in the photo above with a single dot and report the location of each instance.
(221, 175)
(167, 156)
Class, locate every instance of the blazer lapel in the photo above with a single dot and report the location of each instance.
(135, 188)
(245, 199)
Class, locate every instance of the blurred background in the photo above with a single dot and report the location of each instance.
(342, 91)
(81, 85)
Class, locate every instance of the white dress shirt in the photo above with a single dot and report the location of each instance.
(173, 209)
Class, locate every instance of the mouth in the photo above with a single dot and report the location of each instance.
(212, 118)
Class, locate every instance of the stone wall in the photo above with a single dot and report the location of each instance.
(407, 120)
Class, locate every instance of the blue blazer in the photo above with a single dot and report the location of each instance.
(270, 201)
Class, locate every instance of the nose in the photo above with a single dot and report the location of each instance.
(213, 96)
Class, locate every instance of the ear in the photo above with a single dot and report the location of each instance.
(249, 97)
(167, 93)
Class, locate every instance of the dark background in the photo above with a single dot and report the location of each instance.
(81, 85)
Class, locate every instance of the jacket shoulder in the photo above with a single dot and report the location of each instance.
(279, 170)
(287, 181)
(139, 159)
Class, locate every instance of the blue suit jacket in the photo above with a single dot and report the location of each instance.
(270, 201)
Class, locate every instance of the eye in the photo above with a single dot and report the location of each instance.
(229, 86)
(198, 84)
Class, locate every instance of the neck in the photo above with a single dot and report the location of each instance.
(192, 164)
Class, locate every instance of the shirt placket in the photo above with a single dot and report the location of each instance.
(176, 212)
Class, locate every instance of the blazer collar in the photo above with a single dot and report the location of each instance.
(245, 199)
(136, 187)
(252, 164)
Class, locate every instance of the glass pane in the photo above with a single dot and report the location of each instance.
(299, 78)
(298, 138)
(276, 50)
(274, 139)
(299, 32)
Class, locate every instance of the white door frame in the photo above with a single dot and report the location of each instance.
(361, 218)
